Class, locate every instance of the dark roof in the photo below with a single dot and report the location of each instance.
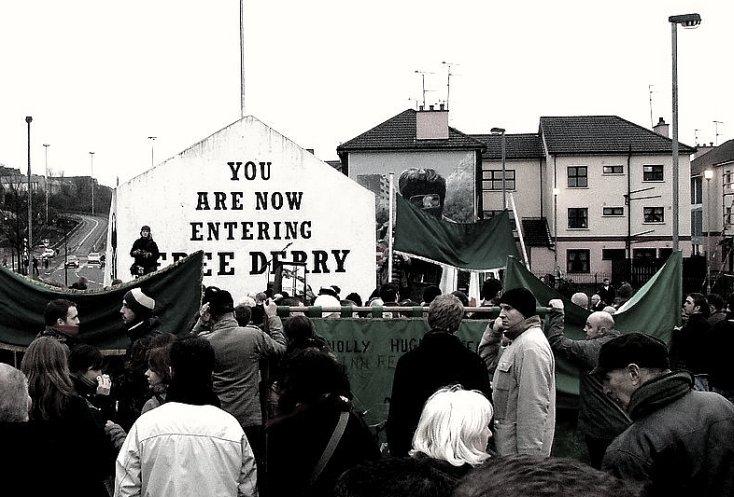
(398, 133)
(602, 135)
(536, 232)
(336, 164)
(718, 155)
(517, 146)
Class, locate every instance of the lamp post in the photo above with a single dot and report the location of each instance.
(501, 131)
(152, 148)
(687, 21)
(91, 164)
(28, 120)
(708, 174)
(556, 191)
(45, 153)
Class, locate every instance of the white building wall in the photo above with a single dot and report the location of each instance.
(527, 187)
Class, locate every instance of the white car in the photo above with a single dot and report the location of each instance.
(94, 258)
(48, 253)
(72, 261)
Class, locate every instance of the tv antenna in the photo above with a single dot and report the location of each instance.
(695, 135)
(716, 132)
(649, 90)
(448, 80)
(423, 81)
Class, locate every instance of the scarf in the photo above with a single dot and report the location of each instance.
(659, 392)
(515, 331)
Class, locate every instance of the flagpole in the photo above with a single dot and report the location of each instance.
(518, 225)
(390, 221)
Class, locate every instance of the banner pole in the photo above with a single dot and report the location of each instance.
(518, 225)
(390, 222)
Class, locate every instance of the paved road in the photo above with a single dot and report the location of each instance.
(91, 236)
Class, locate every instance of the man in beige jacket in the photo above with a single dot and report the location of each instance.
(523, 384)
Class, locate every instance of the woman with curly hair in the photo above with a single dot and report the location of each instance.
(78, 451)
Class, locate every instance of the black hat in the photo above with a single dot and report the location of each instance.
(220, 301)
(632, 348)
(145, 228)
(521, 299)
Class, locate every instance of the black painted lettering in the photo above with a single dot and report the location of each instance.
(265, 170)
(276, 200)
(230, 226)
(291, 230)
(234, 167)
(224, 267)
(340, 260)
(261, 201)
(207, 258)
(237, 201)
(259, 263)
(306, 230)
(294, 200)
(203, 203)
(319, 261)
(250, 170)
(246, 227)
(213, 231)
(262, 231)
(196, 235)
(219, 199)
(298, 256)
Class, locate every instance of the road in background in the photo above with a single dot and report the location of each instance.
(90, 236)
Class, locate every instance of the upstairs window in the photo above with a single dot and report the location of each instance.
(577, 177)
(654, 214)
(492, 179)
(613, 211)
(613, 170)
(578, 218)
(652, 173)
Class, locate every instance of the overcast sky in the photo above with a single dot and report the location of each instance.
(102, 76)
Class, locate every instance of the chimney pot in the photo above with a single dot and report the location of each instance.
(420, 107)
(441, 107)
(661, 121)
(430, 107)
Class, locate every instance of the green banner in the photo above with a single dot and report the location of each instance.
(479, 246)
(176, 290)
(370, 349)
(654, 309)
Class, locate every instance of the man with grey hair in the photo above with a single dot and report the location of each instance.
(440, 359)
(600, 419)
(14, 399)
(580, 299)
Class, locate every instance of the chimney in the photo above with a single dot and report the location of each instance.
(702, 149)
(441, 107)
(432, 124)
(662, 128)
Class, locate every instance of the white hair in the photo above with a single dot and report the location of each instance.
(13, 395)
(580, 299)
(453, 427)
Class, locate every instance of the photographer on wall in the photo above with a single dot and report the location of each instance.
(145, 252)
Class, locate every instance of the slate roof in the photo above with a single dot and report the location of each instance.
(718, 155)
(398, 133)
(602, 135)
(517, 146)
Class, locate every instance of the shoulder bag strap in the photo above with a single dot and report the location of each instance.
(336, 436)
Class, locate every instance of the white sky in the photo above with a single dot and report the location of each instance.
(102, 76)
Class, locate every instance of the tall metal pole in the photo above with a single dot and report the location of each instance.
(504, 173)
(675, 134)
(45, 151)
(708, 235)
(28, 120)
(152, 150)
(242, 59)
(91, 164)
(390, 221)
(555, 230)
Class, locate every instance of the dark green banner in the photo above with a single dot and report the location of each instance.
(480, 246)
(176, 290)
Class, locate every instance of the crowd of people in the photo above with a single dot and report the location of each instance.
(246, 403)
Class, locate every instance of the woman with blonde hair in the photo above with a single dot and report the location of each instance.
(453, 430)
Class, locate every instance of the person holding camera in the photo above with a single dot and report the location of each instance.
(145, 252)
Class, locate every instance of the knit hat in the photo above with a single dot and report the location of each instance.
(521, 299)
(138, 302)
(220, 301)
(632, 348)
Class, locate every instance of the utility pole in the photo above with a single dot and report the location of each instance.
(716, 132)
(45, 150)
(28, 120)
(91, 164)
(152, 148)
(448, 83)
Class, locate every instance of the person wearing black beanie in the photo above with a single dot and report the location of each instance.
(524, 388)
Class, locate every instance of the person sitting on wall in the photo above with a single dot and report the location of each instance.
(145, 252)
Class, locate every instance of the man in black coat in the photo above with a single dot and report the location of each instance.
(681, 442)
(440, 360)
(690, 347)
(145, 252)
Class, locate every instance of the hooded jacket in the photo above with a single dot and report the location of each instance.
(681, 442)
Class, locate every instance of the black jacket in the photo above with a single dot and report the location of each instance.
(721, 338)
(690, 345)
(440, 360)
(681, 442)
(146, 254)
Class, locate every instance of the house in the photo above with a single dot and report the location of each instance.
(712, 199)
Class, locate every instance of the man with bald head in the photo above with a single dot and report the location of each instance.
(600, 419)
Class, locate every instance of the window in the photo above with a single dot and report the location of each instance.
(728, 215)
(492, 179)
(696, 192)
(578, 218)
(652, 173)
(613, 211)
(643, 253)
(613, 254)
(654, 214)
(613, 170)
(577, 177)
(577, 261)
(697, 223)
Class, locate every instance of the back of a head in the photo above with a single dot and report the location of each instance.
(580, 299)
(699, 300)
(309, 375)
(389, 293)
(625, 291)
(394, 477)
(453, 427)
(430, 293)
(354, 297)
(192, 363)
(445, 313)
(523, 475)
(13, 395)
(220, 302)
(298, 329)
(56, 309)
(243, 313)
(715, 300)
(490, 288)
(84, 357)
(45, 364)
(462, 297)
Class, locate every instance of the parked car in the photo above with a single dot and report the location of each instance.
(48, 253)
(95, 258)
(72, 261)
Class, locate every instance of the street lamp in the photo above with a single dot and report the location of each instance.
(689, 21)
(28, 120)
(708, 174)
(501, 131)
(556, 191)
(91, 163)
(45, 153)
